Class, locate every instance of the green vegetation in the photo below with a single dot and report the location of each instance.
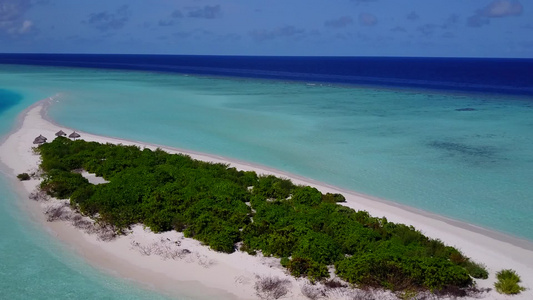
(508, 282)
(476, 270)
(23, 176)
(221, 207)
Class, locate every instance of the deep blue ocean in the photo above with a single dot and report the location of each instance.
(486, 75)
(451, 136)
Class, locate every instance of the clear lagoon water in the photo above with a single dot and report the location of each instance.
(465, 156)
(33, 265)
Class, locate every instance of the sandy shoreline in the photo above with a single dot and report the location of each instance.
(232, 276)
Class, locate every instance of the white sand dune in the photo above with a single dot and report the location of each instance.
(160, 261)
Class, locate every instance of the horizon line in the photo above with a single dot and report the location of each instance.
(253, 55)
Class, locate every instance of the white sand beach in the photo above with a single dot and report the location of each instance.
(159, 261)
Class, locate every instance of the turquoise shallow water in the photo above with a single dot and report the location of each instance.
(411, 147)
(32, 264)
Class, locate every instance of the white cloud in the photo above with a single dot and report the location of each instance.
(11, 16)
(495, 9)
(502, 8)
(20, 28)
(26, 26)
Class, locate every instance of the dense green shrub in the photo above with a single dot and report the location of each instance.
(273, 187)
(221, 207)
(508, 282)
(307, 196)
(400, 272)
(319, 247)
(23, 176)
(304, 267)
(333, 198)
(62, 185)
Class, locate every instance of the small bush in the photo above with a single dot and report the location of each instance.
(508, 274)
(408, 295)
(334, 284)
(23, 176)
(313, 292)
(508, 282)
(246, 248)
(476, 270)
(272, 287)
(458, 258)
(284, 261)
(509, 287)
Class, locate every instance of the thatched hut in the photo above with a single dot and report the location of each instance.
(61, 133)
(74, 135)
(39, 140)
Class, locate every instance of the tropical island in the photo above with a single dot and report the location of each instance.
(223, 207)
(308, 232)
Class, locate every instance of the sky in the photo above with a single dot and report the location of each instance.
(442, 28)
